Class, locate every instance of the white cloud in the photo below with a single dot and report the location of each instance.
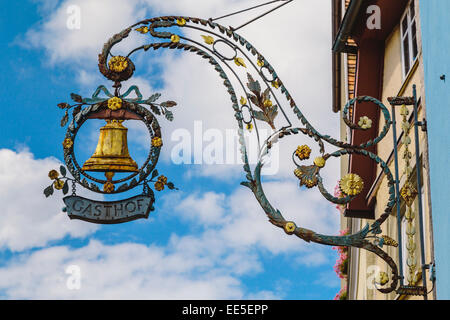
(28, 219)
(125, 271)
(208, 208)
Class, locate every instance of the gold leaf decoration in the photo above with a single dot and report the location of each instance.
(388, 241)
(181, 22)
(240, 62)
(307, 175)
(175, 38)
(143, 29)
(275, 84)
(408, 193)
(208, 39)
(243, 101)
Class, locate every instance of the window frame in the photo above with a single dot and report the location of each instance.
(407, 35)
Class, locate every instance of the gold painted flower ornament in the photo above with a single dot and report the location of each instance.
(290, 227)
(118, 63)
(53, 174)
(67, 143)
(365, 123)
(58, 184)
(59, 181)
(351, 184)
(181, 22)
(320, 162)
(303, 152)
(157, 142)
(115, 103)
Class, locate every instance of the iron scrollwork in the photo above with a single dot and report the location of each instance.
(259, 104)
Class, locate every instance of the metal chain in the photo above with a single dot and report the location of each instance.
(74, 188)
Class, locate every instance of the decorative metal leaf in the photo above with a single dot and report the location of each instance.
(65, 119)
(72, 126)
(85, 183)
(266, 94)
(76, 110)
(259, 115)
(274, 112)
(154, 174)
(75, 97)
(253, 85)
(78, 117)
(65, 188)
(153, 98)
(168, 104)
(63, 105)
(63, 170)
(123, 187)
(171, 186)
(86, 110)
(155, 109)
(133, 183)
(254, 100)
(48, 191)
(169, 115)
(246, 184)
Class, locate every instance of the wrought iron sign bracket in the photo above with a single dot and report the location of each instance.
(260, 100)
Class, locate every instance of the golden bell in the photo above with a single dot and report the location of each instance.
(111, 154)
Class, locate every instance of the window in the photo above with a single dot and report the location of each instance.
(409, 38)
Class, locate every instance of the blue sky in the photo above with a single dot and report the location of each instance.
(210, 239)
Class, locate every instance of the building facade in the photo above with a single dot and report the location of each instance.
(383, 49)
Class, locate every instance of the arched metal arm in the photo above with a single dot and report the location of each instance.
(264, 103)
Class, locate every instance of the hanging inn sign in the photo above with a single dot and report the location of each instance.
(260, 100)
